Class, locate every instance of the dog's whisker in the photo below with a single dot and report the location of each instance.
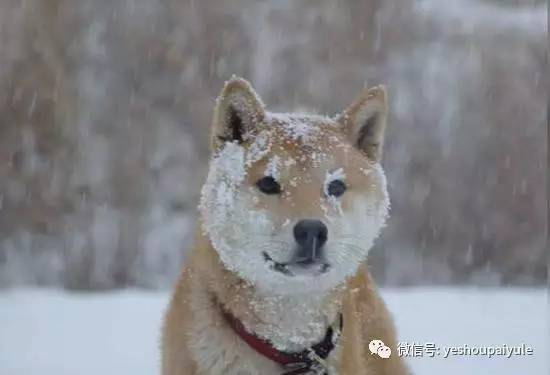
(352, 246)
(351, 235)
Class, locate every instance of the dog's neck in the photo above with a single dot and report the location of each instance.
(291, 323)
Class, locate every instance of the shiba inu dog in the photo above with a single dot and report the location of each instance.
(276, 282)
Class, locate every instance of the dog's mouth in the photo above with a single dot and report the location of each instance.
(297, 268)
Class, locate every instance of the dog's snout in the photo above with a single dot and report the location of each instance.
(310, 235)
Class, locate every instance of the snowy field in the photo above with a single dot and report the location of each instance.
(50, 332)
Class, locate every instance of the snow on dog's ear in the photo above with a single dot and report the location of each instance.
(364, 121)
(238, 110)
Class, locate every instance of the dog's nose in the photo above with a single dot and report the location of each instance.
(310, 235)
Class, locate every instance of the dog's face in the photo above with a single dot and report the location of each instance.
(293, 203)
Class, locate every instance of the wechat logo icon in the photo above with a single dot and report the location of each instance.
(379, 348)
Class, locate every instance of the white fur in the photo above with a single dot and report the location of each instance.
(241, 233)
(295, 322)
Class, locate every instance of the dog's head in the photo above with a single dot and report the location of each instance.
(293, 203)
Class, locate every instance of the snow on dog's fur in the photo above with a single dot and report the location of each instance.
(243, 223)
(268, 174)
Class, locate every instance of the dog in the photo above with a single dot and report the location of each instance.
(276, 282)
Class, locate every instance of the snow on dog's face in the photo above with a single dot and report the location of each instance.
(293, 203)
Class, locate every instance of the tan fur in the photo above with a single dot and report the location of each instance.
(196, 338)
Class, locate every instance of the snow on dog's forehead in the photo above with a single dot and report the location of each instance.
(308, 134)
(306, 141)
(282, 141)
(304, 128)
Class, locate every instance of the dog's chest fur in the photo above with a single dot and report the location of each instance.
(293, 323)
(290, 323)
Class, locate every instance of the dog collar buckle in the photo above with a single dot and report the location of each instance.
(296, 368)
(314, 367)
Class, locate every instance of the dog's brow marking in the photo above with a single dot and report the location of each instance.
(259, 148)
(272, 168)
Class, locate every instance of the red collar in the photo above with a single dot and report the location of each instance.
(298, 363)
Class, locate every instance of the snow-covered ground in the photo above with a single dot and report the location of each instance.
(53, 332)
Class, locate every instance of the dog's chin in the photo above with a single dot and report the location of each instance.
(309, 270)
(298, 269)
(302, 270)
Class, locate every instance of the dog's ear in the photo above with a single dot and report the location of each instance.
(364, 121)
(238, 110)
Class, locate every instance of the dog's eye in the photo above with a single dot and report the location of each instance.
(336, 188)
(268, 185)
